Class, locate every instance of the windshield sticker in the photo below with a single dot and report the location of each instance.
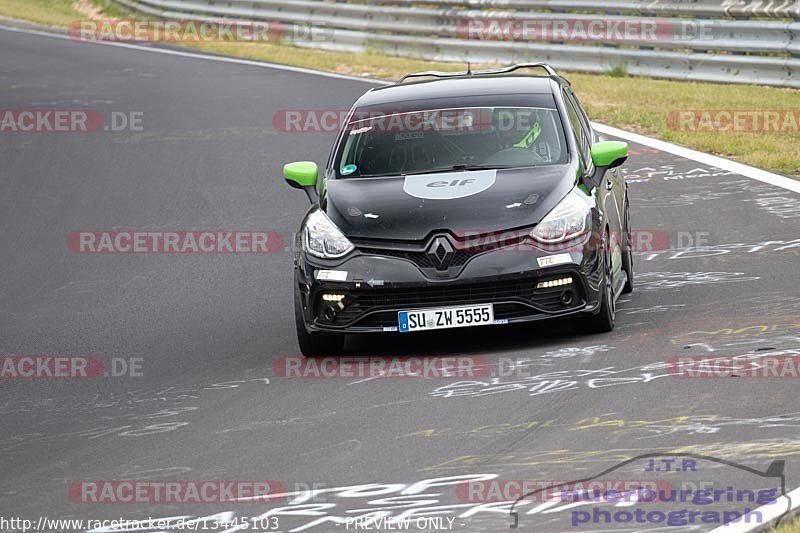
(409, 135)
(360, 130)
(348, 169)
(449, 185)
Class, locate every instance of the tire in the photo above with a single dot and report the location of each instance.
(627, 257)
(314, 344)
(603, 321)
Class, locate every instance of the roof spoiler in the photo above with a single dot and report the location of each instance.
(470, 73)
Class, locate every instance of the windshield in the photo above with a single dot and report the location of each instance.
(451, 139)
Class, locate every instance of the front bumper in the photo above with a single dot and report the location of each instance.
(378, 285)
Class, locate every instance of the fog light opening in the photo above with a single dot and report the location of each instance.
(566, 297)
(329, 313)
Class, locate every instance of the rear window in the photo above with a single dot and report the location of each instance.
(442, 139)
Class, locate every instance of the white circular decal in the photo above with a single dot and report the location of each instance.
(449, 185)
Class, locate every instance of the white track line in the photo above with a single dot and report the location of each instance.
(196, 55)
(768, 513)
(686, 153)
(707, 159)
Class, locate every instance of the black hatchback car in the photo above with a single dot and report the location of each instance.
(455, 200)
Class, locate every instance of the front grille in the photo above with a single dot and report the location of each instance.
(446, 294)
(422, 259)
(464, 248)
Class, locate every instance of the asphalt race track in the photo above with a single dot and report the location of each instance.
(208, 331)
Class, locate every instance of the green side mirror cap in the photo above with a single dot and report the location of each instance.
(609, 154)
(301, 174)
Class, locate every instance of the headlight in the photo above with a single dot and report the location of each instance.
(569, 219)
(322, 238)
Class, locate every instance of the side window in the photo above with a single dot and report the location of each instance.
(581, 114)
(580, 130)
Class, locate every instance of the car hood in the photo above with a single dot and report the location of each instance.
(410, 208)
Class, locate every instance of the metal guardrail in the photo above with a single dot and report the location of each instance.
(735, 41)
(702, 8)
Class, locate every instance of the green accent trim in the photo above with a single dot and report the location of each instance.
(605, 153)
(301, 173)
(530, 137)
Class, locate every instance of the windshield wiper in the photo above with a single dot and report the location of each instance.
(455, 168)
(434, 171)
(480, 167)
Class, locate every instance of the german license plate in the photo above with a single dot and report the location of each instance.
(445, 317)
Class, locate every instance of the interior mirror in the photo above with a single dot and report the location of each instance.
(609, 154)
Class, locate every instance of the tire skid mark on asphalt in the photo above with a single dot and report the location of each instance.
(763, 449)
(128, 414)
(615, 424)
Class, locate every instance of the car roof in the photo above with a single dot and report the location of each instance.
(462, 86)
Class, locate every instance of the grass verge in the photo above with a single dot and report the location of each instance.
(638, 104)
(49, 12)
(791, 526)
